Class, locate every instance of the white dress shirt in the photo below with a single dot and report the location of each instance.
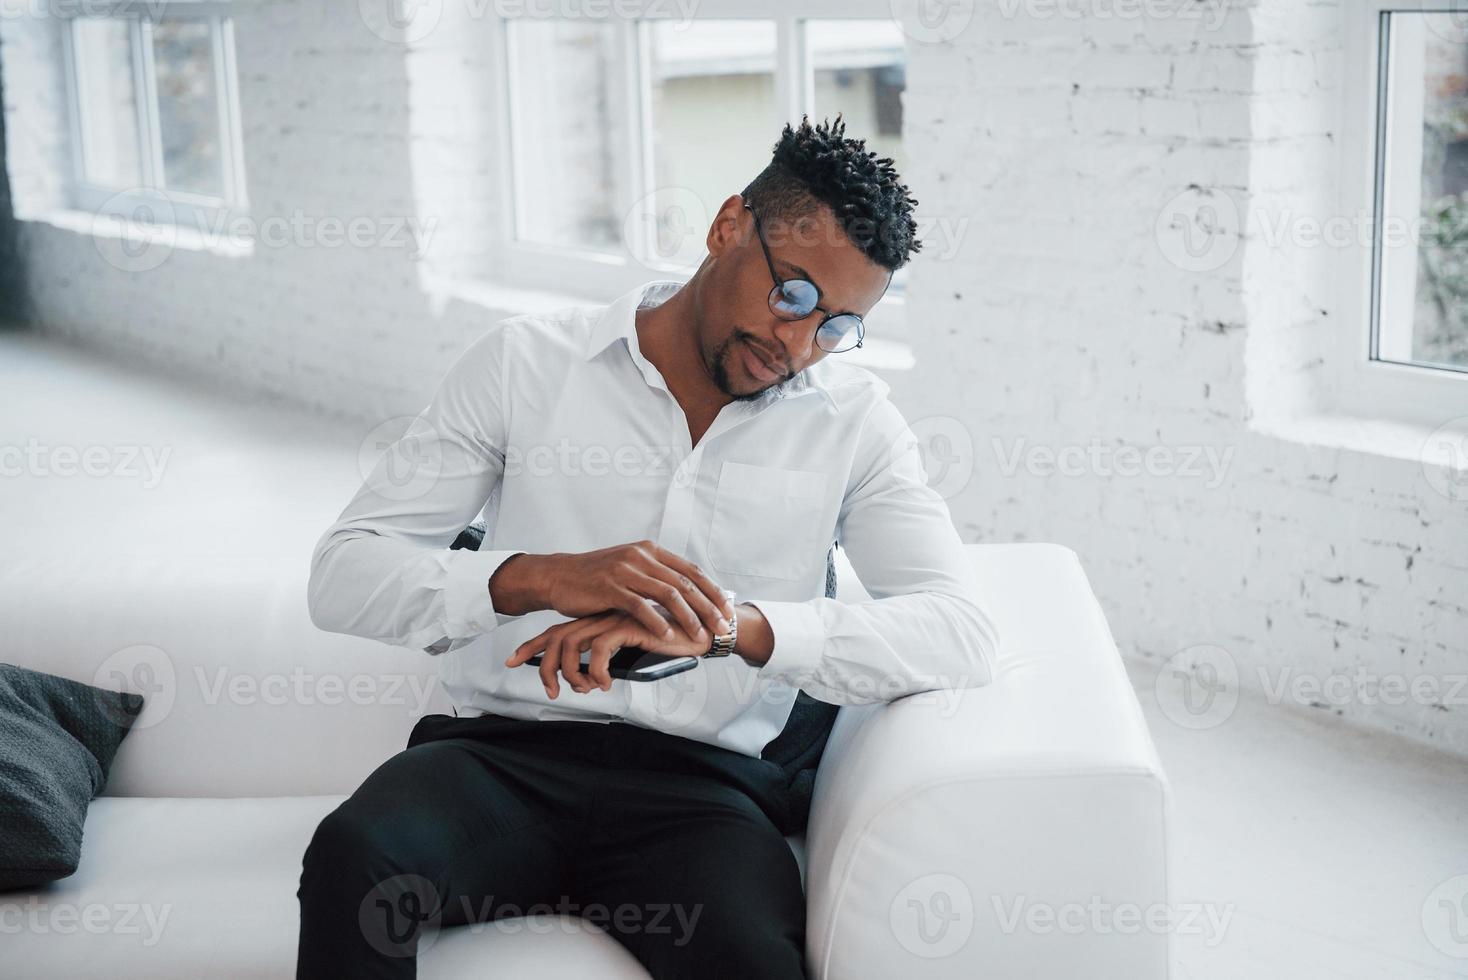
(566, 438)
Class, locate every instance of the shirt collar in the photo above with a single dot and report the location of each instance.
(619, 321)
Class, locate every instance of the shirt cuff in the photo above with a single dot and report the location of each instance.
(800, 638)
(467, 607)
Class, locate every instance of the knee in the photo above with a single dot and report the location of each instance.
(348, 843)
(356, 881)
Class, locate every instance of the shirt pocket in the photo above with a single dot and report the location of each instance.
(768, 522)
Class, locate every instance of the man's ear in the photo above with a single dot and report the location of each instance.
(724, 229)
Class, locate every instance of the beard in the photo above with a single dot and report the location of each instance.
(717, 363)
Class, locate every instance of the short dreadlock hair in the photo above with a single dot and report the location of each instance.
(819, 164)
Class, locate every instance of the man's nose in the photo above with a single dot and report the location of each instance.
(796, 336)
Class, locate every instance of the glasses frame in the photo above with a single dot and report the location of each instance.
(777, 293)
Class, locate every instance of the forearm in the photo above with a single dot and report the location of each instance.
(521, 584)
(397, 592)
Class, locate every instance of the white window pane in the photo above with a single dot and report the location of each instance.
(1424, 255)
(859, 71)
(714, 122)
(565, 136)
(188, 106)
(108, 97)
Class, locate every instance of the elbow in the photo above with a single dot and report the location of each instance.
(319, 585)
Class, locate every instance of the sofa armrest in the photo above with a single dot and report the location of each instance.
(1014, 830)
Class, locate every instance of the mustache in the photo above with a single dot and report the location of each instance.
(769, 358)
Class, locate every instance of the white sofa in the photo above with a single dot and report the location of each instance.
(956, 835)
(963, 835)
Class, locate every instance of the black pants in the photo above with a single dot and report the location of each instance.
(672, 846)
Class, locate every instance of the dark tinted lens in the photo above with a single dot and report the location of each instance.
(794, 299)
(839, 333)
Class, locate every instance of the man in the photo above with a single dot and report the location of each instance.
(640, 464)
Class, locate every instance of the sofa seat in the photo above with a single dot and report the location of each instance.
(213, 882)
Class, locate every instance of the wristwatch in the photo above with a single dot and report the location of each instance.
(723, 644)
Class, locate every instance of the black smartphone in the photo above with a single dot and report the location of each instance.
(635, 664)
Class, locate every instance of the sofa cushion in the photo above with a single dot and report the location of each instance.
(186, 888)
(57, 741)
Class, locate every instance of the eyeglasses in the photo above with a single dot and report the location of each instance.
(796, 299)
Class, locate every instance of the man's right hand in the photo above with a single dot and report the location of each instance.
(633, 578)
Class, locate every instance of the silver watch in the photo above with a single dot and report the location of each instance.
(723, 644)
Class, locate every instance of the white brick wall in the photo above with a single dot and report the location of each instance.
(1058, 322)
(1062, 321)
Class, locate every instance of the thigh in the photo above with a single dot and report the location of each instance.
(693, 878)
(447, 832)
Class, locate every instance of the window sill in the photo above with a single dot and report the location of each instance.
(153, 240)
(1372, 437)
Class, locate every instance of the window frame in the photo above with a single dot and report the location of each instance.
(1360, 382)
(201, 211)
(606, 274)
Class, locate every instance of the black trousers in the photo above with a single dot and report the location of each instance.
(672, 846)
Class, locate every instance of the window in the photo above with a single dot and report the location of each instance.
(625, 135)
(861, 73)
(1421, 309)
(154, 110)
(1399, 352)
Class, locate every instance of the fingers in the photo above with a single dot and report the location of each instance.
(603, 648)
(642, 609)
(578, 638)
(571, 668)
(706, 586)
(660, 584)
(561, 646)
(698, 601)
(550, 662)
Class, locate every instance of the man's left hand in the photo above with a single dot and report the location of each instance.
(603, 635)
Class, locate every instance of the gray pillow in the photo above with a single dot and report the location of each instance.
(57, 740)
